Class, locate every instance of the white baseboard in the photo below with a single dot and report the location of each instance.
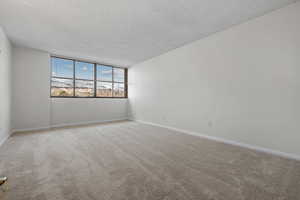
(67, 125)
(3, 140)
(31, 129)
(87, 123)
(231, 142)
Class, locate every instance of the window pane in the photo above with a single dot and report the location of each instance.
(104, 89)
(119, 74)
(104, 73)
(62, 67)
(61, 87)
(119, 90)
(84, 88)
(84, 70)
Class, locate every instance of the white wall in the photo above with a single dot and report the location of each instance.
(32, 106)
(5, 87)
(242, 84)
(80, 110)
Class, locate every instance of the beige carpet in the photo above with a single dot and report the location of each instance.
(132, 161)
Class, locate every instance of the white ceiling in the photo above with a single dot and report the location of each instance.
(121, 32)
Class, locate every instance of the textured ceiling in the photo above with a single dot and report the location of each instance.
(121, 32)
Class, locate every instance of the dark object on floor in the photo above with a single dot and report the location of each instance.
(3, 180)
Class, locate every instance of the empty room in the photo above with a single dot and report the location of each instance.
(149, 100)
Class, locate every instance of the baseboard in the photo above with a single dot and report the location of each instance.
(67, 125)
(3, 140)
(87, 123)
(30, 129)
(231, 142)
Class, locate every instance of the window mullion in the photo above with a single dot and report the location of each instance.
(95, 80)
(73, 78)
(113, 85)
(125, 83)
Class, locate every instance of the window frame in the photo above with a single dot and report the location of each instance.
(95, 79)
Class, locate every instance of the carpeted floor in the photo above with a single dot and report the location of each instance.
(132, 161)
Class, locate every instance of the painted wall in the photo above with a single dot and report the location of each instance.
(241, 84)
(73, 111)
(5, 87)
(32, 106)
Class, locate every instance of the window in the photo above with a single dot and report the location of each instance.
(62, 77)
(119, 82)
(104, 81)
(84, 79)
(73, 78)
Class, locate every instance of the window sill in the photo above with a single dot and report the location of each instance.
(90, 97)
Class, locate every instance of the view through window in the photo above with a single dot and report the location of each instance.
(73, 78)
